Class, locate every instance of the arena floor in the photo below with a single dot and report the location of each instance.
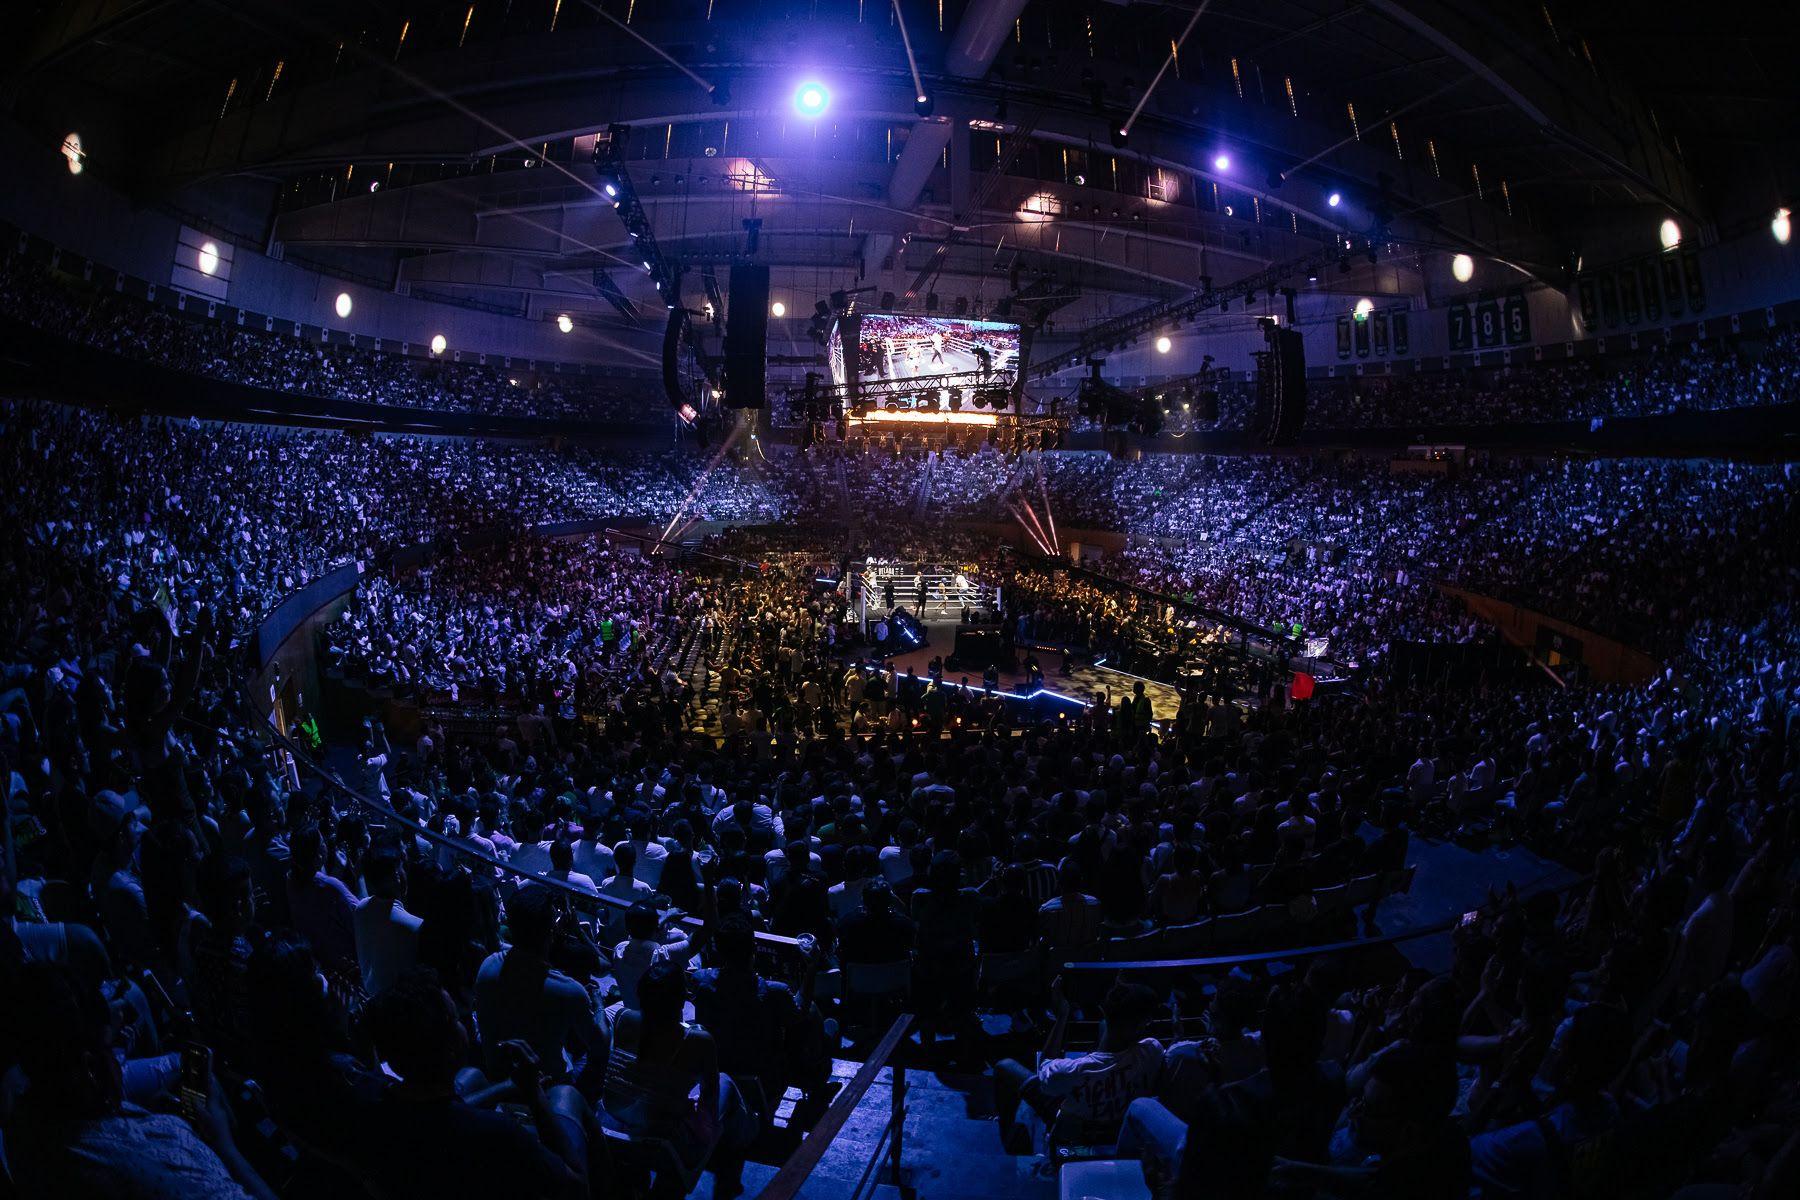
(1082, 682)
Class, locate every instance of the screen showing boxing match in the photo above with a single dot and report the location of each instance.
(897, 346)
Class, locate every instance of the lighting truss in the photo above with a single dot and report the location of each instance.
(877, 392)
(1168, 313)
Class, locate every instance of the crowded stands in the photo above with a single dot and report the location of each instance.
(1053, 600)
(1665, 377)
(64, 307)
(491, 912)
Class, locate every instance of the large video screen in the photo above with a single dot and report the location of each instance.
(900, 346)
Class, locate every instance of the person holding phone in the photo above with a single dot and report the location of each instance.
(77, 1135)
(422, 1139)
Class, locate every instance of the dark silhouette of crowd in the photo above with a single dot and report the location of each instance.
(278, 360)
(1665, 377)
(577, 948)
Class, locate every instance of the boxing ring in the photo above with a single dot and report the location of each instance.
(930, 591)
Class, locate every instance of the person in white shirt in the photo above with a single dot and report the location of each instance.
(562, 862)
(646, 944)
(896, 861)
(799, 854)
(459, 827)
(534, 857)
(1094, 1088)
(1300, 822)
(623, 886)
(387, 936)
(758, 823)
(373, 758)
(593, 857)
(1481, 775)
(846, 897)
(650, 852)
(1422, 777)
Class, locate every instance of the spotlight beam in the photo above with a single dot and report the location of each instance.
(1044, 491)
(314, 29)
(1035, 534)
(1398, 112)
(1160, 71)
(649, 45)
(693, 494)
(911, 62)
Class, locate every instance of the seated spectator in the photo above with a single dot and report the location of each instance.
(761, 1033)
(592, 857)
(651, 853)
(1087, 1092)
(423, 1140)
(562, 868)
(624, 887)
(1237, 1130)
(387, 936)
(319, 905)
(300, 1047)
(117, 892)
(1179, 894)
(77, 1136)
(859, 866)
(875, 932)
(1566, 1151)
(1071, 918)
(1402, 1120)
(519, 996)
(665, 1082)
(646, 944)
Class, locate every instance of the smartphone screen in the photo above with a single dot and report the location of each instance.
(196, 1077)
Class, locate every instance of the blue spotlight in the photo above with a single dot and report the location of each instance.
(811, 99)
(1334, 199)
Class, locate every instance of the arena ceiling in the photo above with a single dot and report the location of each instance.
(447, 146)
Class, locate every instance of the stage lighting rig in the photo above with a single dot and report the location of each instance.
(615, 182)
(1164, 314)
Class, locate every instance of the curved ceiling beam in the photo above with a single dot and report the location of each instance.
(373, 117)
(504, 211)
(1481, 48)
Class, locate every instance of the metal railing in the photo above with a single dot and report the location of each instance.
(802, 1162)
(1228, 961)
(796, 961)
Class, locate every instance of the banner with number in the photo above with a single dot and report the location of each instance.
(1487, 324)
(1696, 286)
(1343, 337)
(1490, 321)
(1671, 284)
(1517, 316)
(1462, 326)
(1401, 333)
(1652, 291)
(1380, 321)
(1628, 296)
